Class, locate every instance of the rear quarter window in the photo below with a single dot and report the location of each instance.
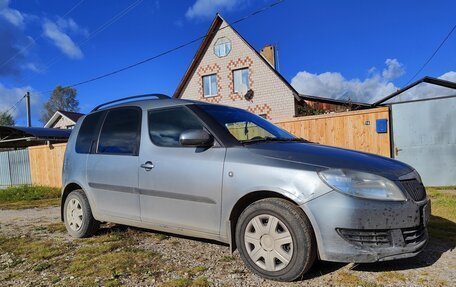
(88, 132)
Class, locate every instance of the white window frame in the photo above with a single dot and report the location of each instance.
(222, 44)
(239, 78)
(211, 92)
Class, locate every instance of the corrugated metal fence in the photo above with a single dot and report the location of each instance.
(15, 168)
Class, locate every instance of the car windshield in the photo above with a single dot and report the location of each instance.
(247, 127)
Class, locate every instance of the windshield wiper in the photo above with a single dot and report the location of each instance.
(273, 139)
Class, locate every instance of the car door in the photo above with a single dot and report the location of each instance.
(180, 187)
(112, 167)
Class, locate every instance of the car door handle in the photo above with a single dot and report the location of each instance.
(148, 165)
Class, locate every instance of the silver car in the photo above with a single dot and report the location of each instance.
(222, 173)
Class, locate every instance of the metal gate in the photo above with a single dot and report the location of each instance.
(14, 168)
(424, 136)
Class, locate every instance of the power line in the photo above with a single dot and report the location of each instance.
(92, 35)
(173, 49)
(7, 112)
(433, 54)
(33, 40)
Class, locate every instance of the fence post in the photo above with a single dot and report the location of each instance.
(9, 169)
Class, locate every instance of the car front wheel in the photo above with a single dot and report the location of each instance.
(275, 239)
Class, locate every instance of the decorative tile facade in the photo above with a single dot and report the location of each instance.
(264, 109)
(234, 65)
(272, 97)
(209, 70)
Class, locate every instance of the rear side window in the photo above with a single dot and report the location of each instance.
(88, 132)
(120, 133)
(166, 125)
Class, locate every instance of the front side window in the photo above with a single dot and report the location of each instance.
(88, 132)
(241, 80)
(120, 132)
(166, 125)
(210, 85)
(245, 126)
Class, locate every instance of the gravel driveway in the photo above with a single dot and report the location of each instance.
(436, 266)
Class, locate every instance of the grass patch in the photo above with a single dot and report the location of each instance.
(346, 278)
(32, 249)
(227, 258)
(186, 282)
(28, 196)
(41, 266)
(28, 193)
(391, 276)
(111, 256)
(442, 224)
(161, 236)
(55, 227)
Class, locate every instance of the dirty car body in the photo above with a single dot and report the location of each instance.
(361, 207)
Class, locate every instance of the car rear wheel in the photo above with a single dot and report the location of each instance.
(275, 239)
(78, 216)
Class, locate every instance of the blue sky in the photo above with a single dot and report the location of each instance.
(326, 48)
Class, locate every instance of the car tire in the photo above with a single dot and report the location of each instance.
(78, 217)
(275, 239)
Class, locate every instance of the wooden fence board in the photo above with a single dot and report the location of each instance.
(348, 130)
(46, 164)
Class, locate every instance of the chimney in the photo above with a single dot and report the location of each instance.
(268, 52)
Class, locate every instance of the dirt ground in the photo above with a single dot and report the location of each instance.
(177, 261)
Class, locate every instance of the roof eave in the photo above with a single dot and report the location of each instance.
(218, 20)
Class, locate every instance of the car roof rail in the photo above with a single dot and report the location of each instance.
(156, 96)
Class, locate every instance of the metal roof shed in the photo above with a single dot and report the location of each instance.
(21, 137)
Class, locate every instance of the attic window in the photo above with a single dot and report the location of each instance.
(222, 47)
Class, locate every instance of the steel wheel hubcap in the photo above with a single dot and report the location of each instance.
(268, 242)
(74, 214)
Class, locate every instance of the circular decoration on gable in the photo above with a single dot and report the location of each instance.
(222, 47)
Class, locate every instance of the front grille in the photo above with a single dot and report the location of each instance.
(414, 188)
(370, 238)
(414, 234)
(384, 237)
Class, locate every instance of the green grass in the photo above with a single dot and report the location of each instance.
(186, 282)
(28, 196)
(442, 224)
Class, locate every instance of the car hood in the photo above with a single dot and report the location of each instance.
(331, 157)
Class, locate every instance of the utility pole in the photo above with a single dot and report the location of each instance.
(27, 104)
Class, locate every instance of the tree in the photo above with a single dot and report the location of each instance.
(62, 98)
(6, 119)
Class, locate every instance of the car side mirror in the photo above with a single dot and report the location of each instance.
(198, 138)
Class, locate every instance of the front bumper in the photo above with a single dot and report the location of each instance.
(350, 229)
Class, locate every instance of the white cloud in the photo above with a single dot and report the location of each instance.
(11, 15)
(33, 67)
(208, 8)
(11, 95)
(393, 70)
(426, 91)
(62, 40)
(333, 85)
(376, 86)
(70, 25)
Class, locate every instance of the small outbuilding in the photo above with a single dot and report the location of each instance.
(63, 120)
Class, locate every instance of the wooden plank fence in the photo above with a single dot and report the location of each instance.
(46, 163)
(352, 130)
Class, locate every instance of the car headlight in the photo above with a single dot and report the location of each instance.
(362, 184)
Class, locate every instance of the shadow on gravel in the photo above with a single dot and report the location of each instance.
(443, 229)
(123, 228)
(321, 268)
(442, 239)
